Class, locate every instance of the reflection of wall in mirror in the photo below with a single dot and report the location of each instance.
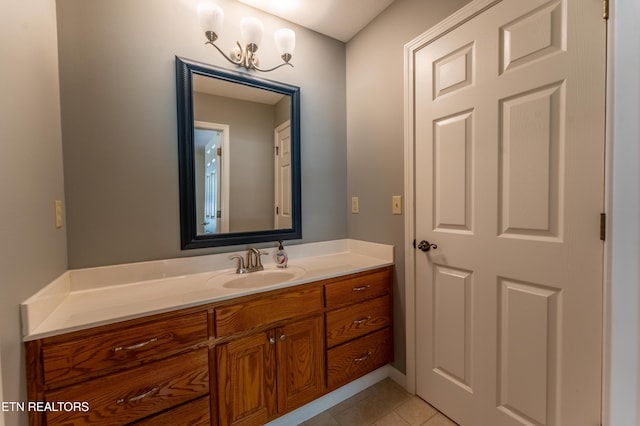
(251, 172)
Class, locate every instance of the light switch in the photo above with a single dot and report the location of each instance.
(58, 213)
(355, 205)
(396, 204)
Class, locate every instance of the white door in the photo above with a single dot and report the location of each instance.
(508, 118)
(217, 188)
(211, 184)
(283, 213)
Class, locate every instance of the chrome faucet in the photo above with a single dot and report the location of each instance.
(253, 263)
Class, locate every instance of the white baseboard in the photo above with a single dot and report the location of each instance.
(398, 377)
(337, 396)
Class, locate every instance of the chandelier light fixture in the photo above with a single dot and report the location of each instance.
(211, 17)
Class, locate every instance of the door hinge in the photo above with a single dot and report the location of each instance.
(605, 9)
(219, 152)
(277, 210)
(276, 150)
(603, 226)
(218, 214)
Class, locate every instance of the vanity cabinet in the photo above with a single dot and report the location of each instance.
(196, 413)
(358, 325)
(135, 393)
(265, 373)
(82, 355)
(120, 373)
(300, 360)
(270, 373)
(242, 361)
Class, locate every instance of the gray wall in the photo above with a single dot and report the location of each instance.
(32, 251)
(117, 85)
(283, 110)
(375, 130)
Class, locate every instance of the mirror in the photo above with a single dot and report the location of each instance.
(239, 157)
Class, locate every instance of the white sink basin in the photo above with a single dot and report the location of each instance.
(257, 279)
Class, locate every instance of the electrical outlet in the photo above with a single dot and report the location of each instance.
(396, 204)
(355, 205)
(58, 213)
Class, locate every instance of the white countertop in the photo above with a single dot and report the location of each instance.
(85, 298)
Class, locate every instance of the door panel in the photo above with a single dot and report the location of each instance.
(300, 363)
(452, 172)
(533, 35)
(529, 335)
(247, 380)
(531, 142)
(452, 325)
(508, 133)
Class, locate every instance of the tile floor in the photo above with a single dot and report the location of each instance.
(383, 404)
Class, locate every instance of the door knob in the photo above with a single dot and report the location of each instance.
(425, 245)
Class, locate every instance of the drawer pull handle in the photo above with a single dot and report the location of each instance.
(364, 357)
(363, 320)
(136, 346)
(139, 397)
(363, 288)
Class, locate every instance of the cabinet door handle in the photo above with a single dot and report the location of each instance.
(283, 337)
(136, 346)
(363, 357)
(363, 320)
(139, 397)
(272, 340)
(363, 288)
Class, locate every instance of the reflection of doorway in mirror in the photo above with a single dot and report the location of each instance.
(211, 173)
(212, 177)
(283, 214)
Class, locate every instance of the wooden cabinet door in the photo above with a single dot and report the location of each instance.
(247, 380)
(300, 363)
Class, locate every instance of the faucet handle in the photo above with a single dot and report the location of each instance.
(260, 253)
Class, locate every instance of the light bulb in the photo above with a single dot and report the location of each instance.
(211, 17)
(251, 29)
(285, 41)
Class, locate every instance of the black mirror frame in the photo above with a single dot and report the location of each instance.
(189, 237)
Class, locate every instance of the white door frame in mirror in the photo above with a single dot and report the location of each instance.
(224, 185)
(282, 157)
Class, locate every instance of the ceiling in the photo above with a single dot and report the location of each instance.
(340, 19)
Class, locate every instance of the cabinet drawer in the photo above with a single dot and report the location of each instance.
(357, 320)
(196, 413)
(358, 288)
(266, 310)
(358, 357)
(131, 395)
(107, 350)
